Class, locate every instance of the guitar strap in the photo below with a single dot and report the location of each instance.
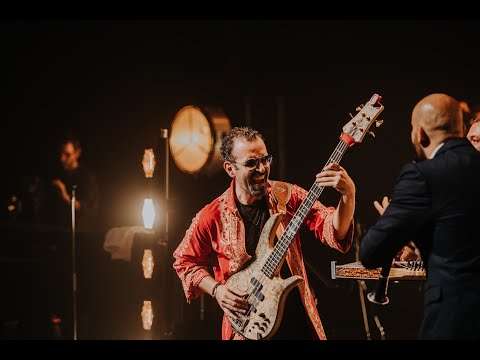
(281, 194)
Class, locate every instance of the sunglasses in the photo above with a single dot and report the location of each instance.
(253, 163)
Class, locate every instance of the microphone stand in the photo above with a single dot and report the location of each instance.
(378, 296)
(362, 287)
(74, 273)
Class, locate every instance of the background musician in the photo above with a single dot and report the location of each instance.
(473, 134)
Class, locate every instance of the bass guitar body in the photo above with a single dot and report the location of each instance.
(266, 295)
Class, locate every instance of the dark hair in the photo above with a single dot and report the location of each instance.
(243, 132)
(69, 137)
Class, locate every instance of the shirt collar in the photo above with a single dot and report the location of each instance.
(231, 206)
(435, 151)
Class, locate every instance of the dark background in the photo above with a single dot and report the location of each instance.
(117, 82)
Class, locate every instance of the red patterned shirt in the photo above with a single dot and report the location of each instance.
(216, 237)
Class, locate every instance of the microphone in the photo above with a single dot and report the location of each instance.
(379, 295)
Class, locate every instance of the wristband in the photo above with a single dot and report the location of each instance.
(214, 290)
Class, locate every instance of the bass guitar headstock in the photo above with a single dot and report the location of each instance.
(356, 129)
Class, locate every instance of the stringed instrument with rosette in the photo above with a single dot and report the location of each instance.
(266, 290)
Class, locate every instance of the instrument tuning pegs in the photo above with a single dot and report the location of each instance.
(378, 123)
(371, 133)
(359, 107)
(351, 116)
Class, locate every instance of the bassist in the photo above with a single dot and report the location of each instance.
(224, 234)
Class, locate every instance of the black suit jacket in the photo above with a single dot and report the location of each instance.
(436, 203)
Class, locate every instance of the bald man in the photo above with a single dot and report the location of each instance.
(433, 204)
(474, 134)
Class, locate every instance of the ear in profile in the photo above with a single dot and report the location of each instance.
(424, 139)
(229, 169)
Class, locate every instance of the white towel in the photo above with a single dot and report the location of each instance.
(119, 241)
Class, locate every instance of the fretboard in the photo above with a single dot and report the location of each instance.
(281, 247)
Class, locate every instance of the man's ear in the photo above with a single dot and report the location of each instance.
(424, 139)
(228, 166)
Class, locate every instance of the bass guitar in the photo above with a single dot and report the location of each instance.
(266, 290)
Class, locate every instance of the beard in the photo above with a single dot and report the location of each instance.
(257, 189)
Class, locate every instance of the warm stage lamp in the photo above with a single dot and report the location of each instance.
(195, 139)
(147, 315)
(148, 162)
(147, 263)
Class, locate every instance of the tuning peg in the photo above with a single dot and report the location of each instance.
(371, 133)
(351, 116)
(359, 107)
(378, 123)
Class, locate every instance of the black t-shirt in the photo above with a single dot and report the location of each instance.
(56, 211)
(295, 322)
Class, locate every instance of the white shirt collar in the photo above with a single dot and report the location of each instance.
(435, 151)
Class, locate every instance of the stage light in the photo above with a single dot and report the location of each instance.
(148, 163)
(148, 213)
(147, 263)
(147, 315)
